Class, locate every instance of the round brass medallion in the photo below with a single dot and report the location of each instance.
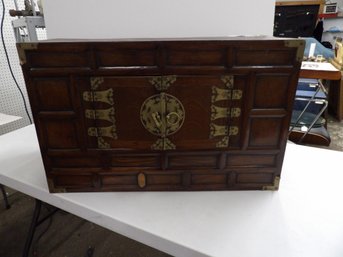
(162, 114)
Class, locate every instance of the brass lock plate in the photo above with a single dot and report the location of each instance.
(162, 114)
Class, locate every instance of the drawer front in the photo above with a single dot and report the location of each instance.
(69, 180)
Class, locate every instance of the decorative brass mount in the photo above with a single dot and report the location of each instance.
(22, 47)
(162, 115)
(274, 186)
(220, 114)
(300, 45)
(104, 97)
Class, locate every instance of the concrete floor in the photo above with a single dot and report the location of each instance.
(66, 236)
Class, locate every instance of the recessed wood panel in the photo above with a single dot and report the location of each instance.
(264, 178)
(73, 180)
(58, 59)
(265, 57)
(135, 161)
(265, 132)
(53, 94)
(119, 179)
(165, 179)
(209, 179)
(200, 161)
(194, 57)
(126, 58)
(250, 160)
(71, 162)
(271, 91)
(60, 134)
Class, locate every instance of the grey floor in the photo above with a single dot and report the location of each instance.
(65, 234)
(70, 236)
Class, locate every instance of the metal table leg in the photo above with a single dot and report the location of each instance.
(2, 188)
(34, 224)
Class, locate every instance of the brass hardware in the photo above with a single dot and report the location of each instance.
(163, 144)
(235, 112)
(158, 145)
(168, 145)
(157, 119)
(233, 131)
(275, 185)
(141, 180)
(96, 81)
(162, 83)
(219, 94)
(105, 114)
(105, 96)
(173, 118)
(228, 81)
(103, 132)
(52, 187)
(162, 114)
(218, 130)
(223, 112)
(300, 45)
(219, 112)
(102, 144)
(237, 94)
(22, 47)
(224, 142)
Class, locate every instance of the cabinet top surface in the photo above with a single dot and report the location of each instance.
(205, 39)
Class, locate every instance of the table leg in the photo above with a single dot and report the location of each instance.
(2, 188)
(34, 224)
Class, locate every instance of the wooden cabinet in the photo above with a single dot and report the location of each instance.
(190, 114)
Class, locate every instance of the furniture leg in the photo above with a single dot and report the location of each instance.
(34, 224)
(2, 188)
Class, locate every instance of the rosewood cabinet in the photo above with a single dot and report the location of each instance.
(186, 114)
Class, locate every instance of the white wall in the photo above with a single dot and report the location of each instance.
(157, 18)
(10, 98)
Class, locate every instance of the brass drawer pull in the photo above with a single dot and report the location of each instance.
(141, 180)
(157, 119)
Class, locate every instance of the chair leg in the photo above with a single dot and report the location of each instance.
(2, 188)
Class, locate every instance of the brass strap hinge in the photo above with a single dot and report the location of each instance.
(103, 132)
(102, 114)
(105, 96)
(220, 94)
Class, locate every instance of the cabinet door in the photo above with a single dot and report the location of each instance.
(212, 111)
(162, 112)
(112, 112)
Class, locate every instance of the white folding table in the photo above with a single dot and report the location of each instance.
(304, 218)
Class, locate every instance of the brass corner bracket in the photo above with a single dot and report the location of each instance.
(274, 186)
